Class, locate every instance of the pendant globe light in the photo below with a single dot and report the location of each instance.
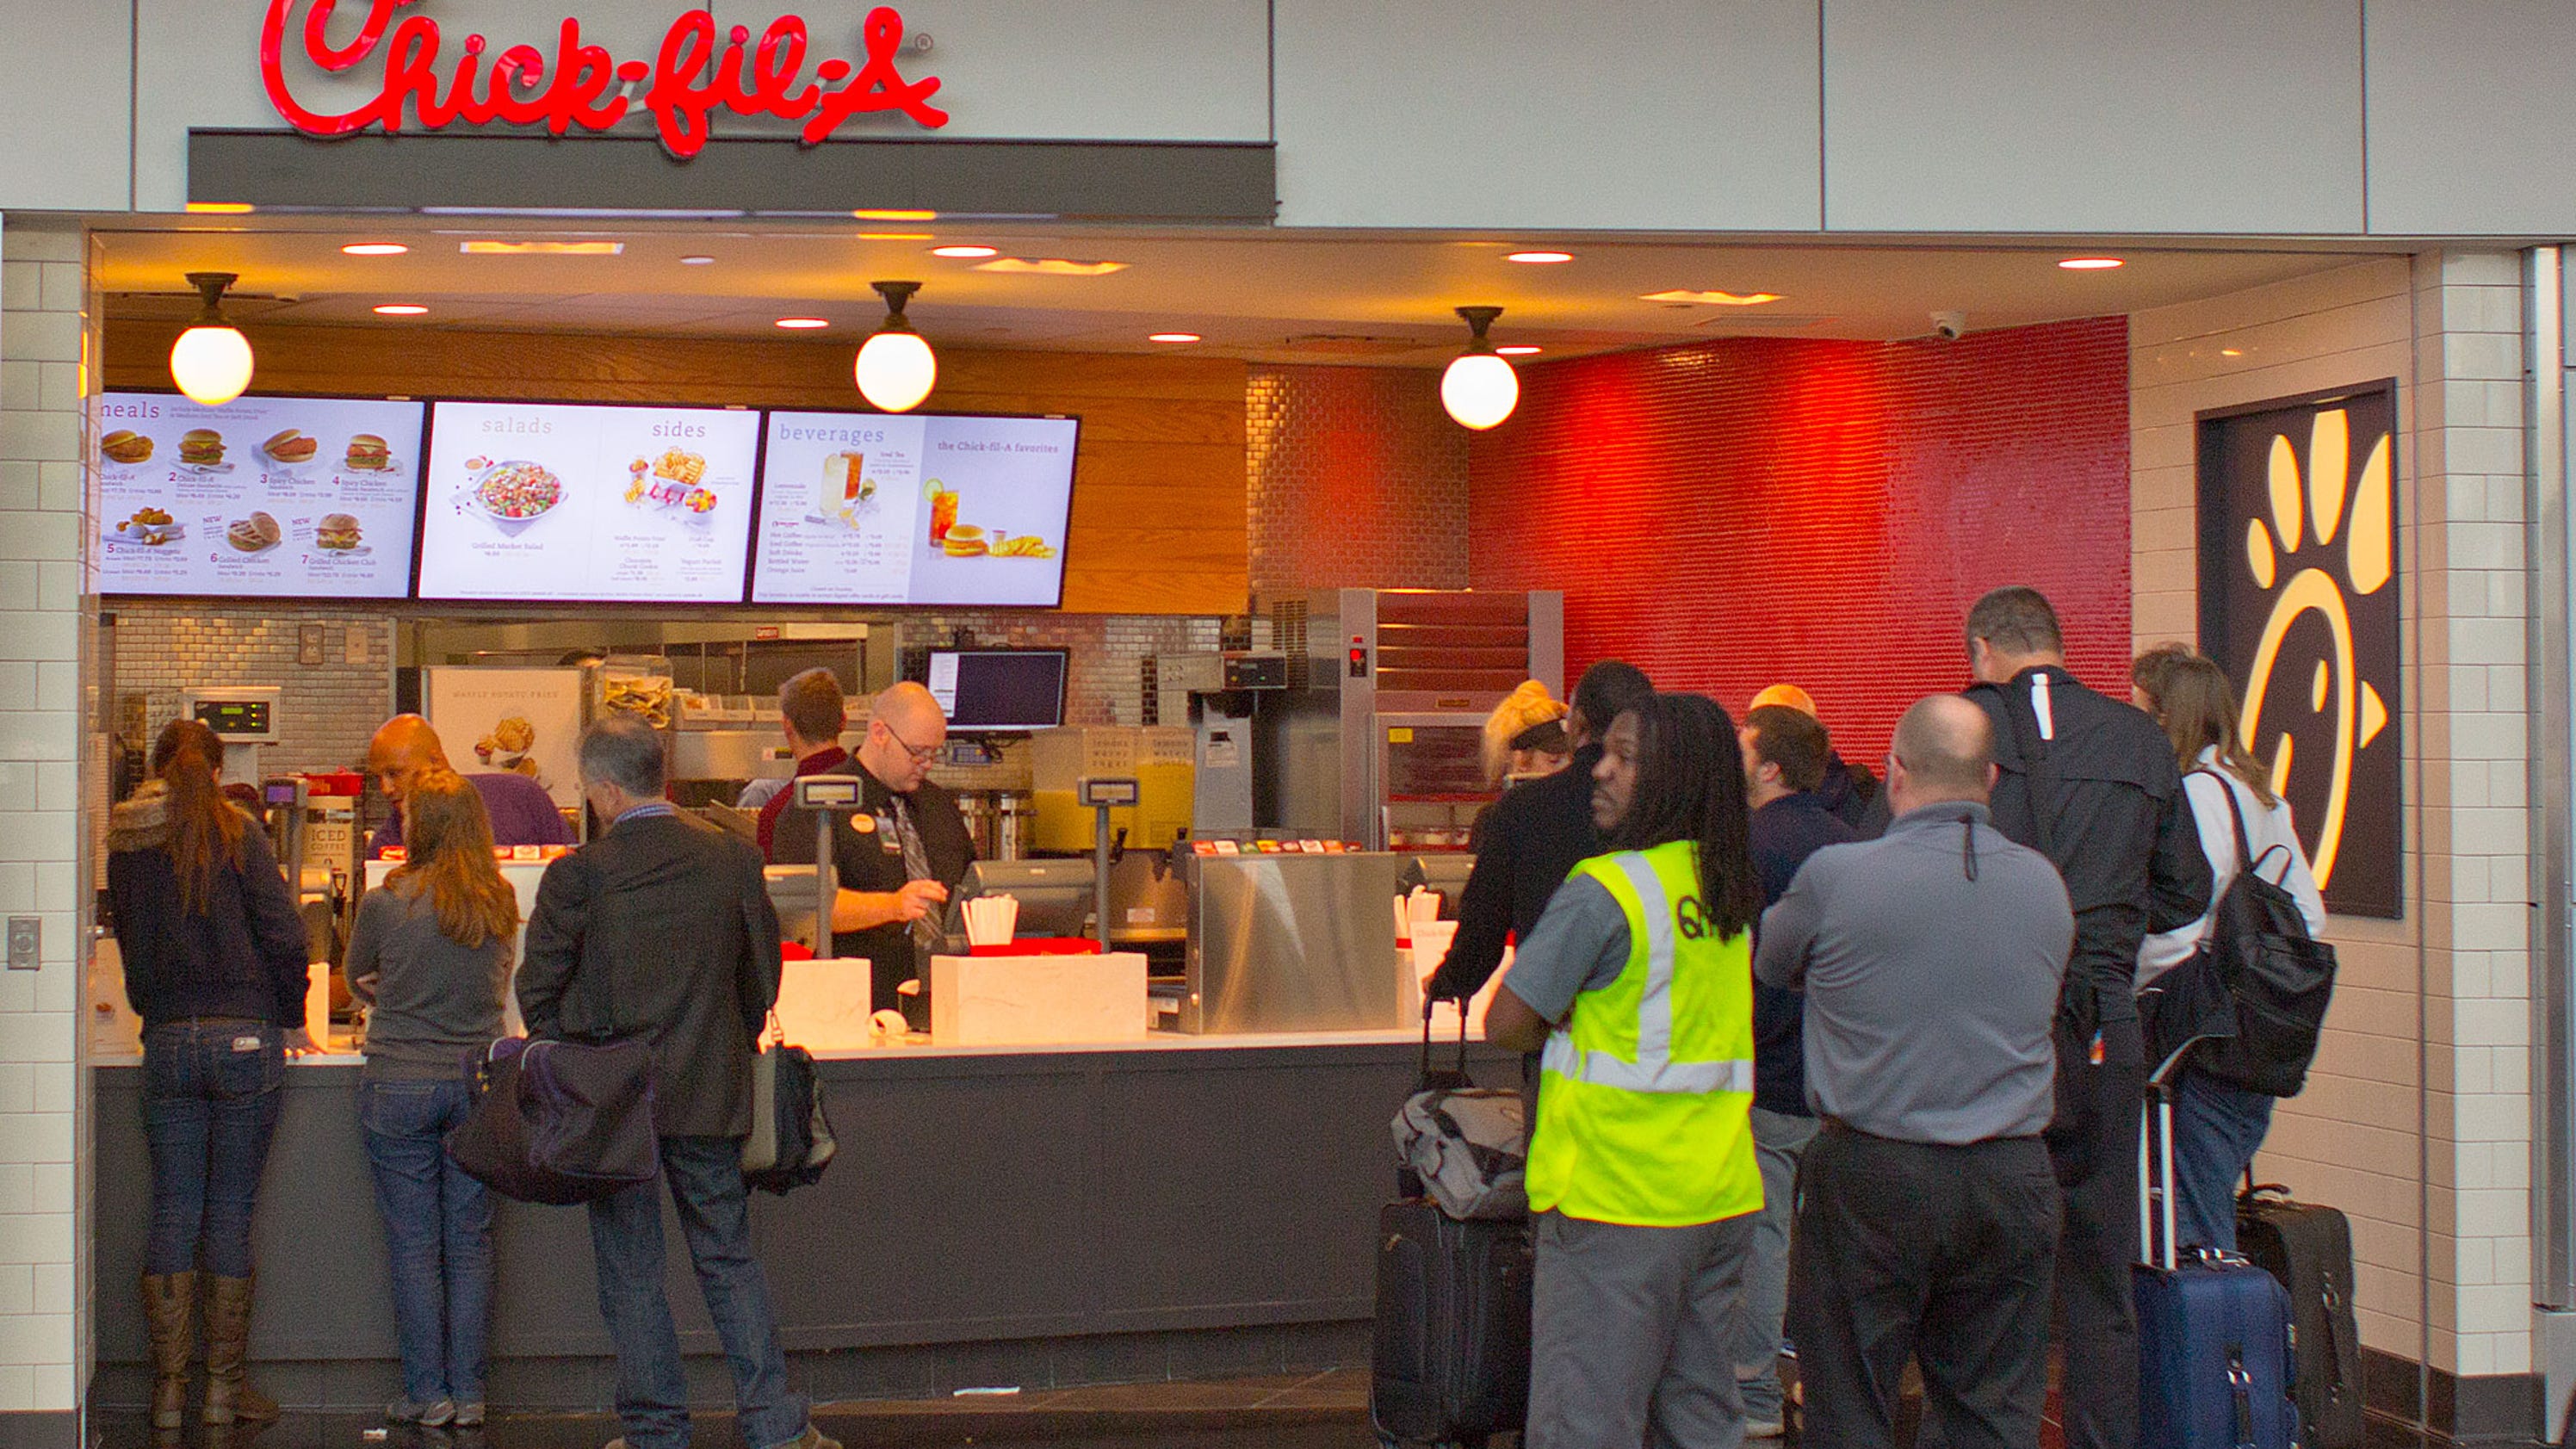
(895, 368)
(211, 361)
(1479, 389)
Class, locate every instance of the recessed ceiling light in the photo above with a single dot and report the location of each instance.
(802, 324)
(1050, 267)
(2090, 264)
(1172, 337)
(873, 215)
(898, 236)
(400, 309)
(1712, 299)
(697, 261)
(2230, 352)
(1539, 258)
(965, 251)
(1517, 349)
(374, 249)
(221, 208)
(489, 248)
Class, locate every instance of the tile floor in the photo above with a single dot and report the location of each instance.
(1326, 1410)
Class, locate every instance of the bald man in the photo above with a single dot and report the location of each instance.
(522, 812)
(1927, 1220)
(900, 855)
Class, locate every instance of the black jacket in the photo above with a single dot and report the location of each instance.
(2096, 791)
(243, 956)
(1533, 839)
(1784, 833)
(1852, 795)
(660, 929)
(867, 857)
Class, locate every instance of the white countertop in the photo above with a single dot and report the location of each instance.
(922, 1046)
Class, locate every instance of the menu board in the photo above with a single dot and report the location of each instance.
(551, 501)
(869, 508)
(263, 497)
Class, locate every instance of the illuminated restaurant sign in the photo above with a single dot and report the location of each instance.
(582, 85)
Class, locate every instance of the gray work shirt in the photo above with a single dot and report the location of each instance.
(1579, 944)
(1931, 959)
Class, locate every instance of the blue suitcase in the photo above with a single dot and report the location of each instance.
(2215, 1359)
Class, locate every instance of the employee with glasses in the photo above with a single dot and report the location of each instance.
(898, 856)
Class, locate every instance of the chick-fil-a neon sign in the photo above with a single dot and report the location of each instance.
(582, 85)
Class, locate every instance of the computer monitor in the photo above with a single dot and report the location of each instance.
(1054, 896)
(999, 690)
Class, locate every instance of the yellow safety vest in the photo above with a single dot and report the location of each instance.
(1646, 1091)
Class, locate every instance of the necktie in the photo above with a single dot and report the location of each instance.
(916, 866)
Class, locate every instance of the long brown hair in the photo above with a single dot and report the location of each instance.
(448, 843)
(2197, 706)
(205, 829)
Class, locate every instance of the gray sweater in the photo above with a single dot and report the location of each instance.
(429, 1001)
(1931, 959)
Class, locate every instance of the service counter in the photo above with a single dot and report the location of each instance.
(1169, 1206)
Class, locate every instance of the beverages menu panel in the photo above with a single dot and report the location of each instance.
(547, 501)
(867, 508)
(263, 497)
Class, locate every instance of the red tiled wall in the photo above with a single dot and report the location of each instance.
(1358, 480)
(1752, 510)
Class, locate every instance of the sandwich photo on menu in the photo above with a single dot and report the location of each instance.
(124, 445)
(201, 448)
(368, 454)
(337, 532)
(291, 446)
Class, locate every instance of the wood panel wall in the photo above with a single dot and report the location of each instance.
(1159, 499)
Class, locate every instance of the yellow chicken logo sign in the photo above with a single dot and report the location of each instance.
(2326, 540)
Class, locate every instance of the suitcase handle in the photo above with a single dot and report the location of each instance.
(1455, 1077)
(2241, 1384)
(2155, 1190)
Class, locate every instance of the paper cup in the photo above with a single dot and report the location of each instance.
(317, 1003)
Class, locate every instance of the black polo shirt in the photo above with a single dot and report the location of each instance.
(869, 857)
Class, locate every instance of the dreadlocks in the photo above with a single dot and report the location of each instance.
(1690, 786)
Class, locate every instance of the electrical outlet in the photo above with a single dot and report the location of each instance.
(26, 942)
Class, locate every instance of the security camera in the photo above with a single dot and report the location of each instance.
(1949, 326)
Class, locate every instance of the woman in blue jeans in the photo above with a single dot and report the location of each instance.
(2218, 1126)
(431, 957)
(214, 955)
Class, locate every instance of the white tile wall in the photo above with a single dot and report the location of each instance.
(45, 362)
(2432, 1167)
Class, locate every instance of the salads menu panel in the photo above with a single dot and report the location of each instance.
(872, 508)
(263, 497)
(548, 501)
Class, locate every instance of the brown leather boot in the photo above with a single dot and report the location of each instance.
(227, 1350)
(170, 1311)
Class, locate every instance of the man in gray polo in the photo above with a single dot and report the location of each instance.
(1929, 1218)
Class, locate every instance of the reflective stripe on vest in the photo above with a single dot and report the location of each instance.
(1654, 1070)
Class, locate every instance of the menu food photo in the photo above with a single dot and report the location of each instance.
(263, 497)
(551, 501)
(868, 508)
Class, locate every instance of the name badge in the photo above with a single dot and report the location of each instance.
(245, 1043)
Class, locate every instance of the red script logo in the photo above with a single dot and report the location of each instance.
(582, 85)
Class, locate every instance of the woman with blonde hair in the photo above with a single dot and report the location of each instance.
(431, 958)
(1525, 736)
(2218, 1126)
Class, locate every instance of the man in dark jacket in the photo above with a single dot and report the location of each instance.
(1784, 759)
(2091, 783)
(897, 857)
(661, 930)
(1848, 792)
(1534, 837)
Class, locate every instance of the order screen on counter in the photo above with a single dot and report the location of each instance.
(263, 497)
(548, 501)
(871, 508)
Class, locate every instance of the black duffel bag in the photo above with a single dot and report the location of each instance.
(560, 1122)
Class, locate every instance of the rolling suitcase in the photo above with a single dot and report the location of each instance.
(1452, 1340)
(1451, 1343)
(2309, 1249)
(2214, 1353)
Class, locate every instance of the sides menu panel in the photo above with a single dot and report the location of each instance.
(545, 501)
(263, 497)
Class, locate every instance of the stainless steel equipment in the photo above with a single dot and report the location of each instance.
(1292, 943)
(1378, 737)
(1216, 691)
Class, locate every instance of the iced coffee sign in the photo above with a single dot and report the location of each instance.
(428, 80)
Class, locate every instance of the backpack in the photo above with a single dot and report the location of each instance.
(2248, 1006)
(791, 1140)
